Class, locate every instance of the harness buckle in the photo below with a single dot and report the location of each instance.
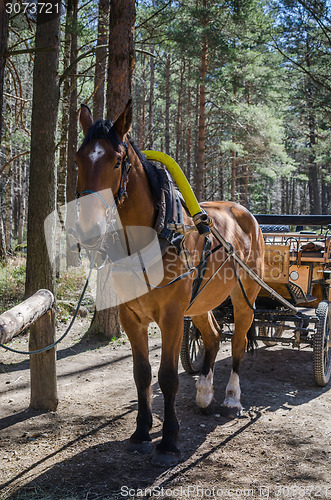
(181, 228)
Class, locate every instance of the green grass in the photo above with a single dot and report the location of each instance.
(12, 282)
(68, 288)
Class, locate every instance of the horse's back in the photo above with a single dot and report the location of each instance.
(234, 221)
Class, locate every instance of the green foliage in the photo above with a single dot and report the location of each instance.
(12, 282)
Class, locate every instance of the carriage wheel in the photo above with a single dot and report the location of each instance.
(192, 352)
(270, 331)
(321, 345)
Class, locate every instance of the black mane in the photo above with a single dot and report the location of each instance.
(154, 176)
(104, 129)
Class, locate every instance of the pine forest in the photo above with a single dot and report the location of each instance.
(236, 91)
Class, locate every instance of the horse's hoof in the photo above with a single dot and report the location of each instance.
(163, 459)
(231, 412)
(142, 448)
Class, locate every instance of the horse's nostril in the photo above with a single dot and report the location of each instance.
(92, 237)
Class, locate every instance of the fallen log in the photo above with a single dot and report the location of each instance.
(20, 317)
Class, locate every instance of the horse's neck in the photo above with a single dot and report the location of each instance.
(138, 207)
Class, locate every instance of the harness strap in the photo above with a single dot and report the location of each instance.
(242, 286)
(89, 191)
(201, 267)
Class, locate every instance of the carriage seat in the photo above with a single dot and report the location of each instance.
(311, 249)
(268, 228)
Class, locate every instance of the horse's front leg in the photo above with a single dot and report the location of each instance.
(137, 333)
(171, 324)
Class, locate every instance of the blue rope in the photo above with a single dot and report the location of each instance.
(47, 348)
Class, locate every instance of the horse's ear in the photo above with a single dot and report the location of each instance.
(85, 118)
(124, 121)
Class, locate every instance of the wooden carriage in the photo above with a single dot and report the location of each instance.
(298, 268)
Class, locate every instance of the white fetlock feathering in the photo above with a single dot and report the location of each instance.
(232, 394)
(205, 391)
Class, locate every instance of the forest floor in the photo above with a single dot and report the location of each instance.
(280, 448)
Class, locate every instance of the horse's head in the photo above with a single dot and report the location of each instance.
(103, 168)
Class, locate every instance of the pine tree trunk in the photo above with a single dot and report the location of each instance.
(141, 107)
(3, 247)
(42, 200)
(3, 251)
(73, 259)
(119, 91)
(189, 129)
(4, 19)
(221, 179)
(62, 169)
(9, 208)
(179, 113)
(196, 136)
(202, 121)
(325, 189)
(101, 60)
(150, 141)
(62, 165)
(21, 223)
(313, 184)
(16, 199)
(121, 56)
(167, 110)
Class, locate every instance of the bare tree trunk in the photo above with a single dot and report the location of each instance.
(72, 257)
(313, 184)
(62, 169)
(3, 247)
(141, 106)
(3, 250)
(121, 56)
(119, 91)
(4, 19)
(179, 113)
(189, 129)
(245, 193)
(233, 175)
(167, 110)
(221, 178)
(62, 165)
(42, 200)
(101, 60)
(150, 141)
(22, 215)
(196, 136)
(202, 120)
(9, 209)
(325, 189)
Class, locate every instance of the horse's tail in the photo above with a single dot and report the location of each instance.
(251, 338)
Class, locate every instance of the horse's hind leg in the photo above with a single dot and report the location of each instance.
(208, 327)
(137, 333)
(243, 323)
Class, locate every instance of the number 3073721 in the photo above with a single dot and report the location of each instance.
(32, 8)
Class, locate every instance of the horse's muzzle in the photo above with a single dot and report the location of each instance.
(91, 239)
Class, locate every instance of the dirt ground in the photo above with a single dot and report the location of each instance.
(280, 448)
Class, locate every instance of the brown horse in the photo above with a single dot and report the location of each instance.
(103, 162)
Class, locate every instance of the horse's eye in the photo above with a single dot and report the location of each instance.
(118, 164)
